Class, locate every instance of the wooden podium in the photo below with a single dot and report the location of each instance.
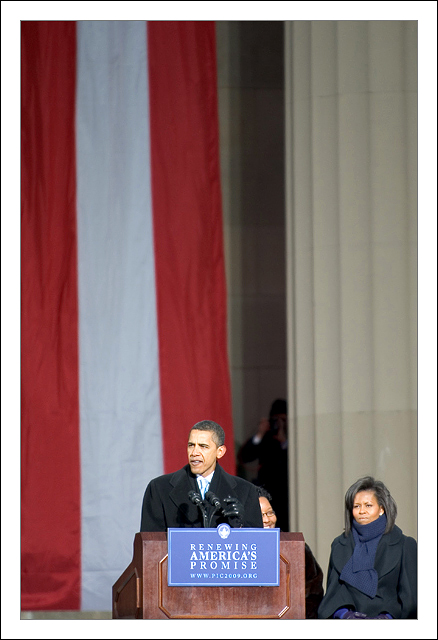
(142, 591)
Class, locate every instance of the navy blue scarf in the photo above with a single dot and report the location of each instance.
(359, 569)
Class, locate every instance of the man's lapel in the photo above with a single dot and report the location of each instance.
(182, 482)
(222, 485)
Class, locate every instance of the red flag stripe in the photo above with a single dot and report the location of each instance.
(50, 491)
(190, 275)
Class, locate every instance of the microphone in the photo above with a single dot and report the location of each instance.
(213, 499)
(195, 498)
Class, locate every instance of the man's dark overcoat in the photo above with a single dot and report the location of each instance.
(396, 565)
(166, 503)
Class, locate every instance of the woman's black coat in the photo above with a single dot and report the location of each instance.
(396, 565)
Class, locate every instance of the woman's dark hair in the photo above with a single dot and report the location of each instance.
(262, 493)
(383, 497)
(217, 431)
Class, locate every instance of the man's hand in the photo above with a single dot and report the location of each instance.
(235, 511)
(262, 429)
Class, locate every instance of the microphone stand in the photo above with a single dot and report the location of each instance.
(204, 517)
(215, 502)
(197, 500)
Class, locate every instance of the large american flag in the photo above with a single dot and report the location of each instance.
(123, 333)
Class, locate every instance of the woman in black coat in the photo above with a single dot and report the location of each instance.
(373, 567)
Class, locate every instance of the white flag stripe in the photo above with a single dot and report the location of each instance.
(120, 423)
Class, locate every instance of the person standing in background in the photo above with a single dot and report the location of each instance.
(269, 445)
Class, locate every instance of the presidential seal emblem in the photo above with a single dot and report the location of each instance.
(224, 531)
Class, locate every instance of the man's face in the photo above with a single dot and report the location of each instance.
(279, 426)
(268, 514)
(203, 452)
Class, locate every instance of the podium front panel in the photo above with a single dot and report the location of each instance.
(142, 590)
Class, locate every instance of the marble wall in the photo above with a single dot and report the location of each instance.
(351, 211)
(318, 134)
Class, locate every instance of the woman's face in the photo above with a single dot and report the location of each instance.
(366, 509)
(268, 514)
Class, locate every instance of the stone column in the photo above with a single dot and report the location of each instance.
(351, 221)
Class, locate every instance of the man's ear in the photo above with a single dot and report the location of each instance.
(220, 451)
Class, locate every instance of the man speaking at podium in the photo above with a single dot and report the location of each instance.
(201, 494)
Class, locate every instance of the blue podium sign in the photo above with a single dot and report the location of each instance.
(223, 557)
